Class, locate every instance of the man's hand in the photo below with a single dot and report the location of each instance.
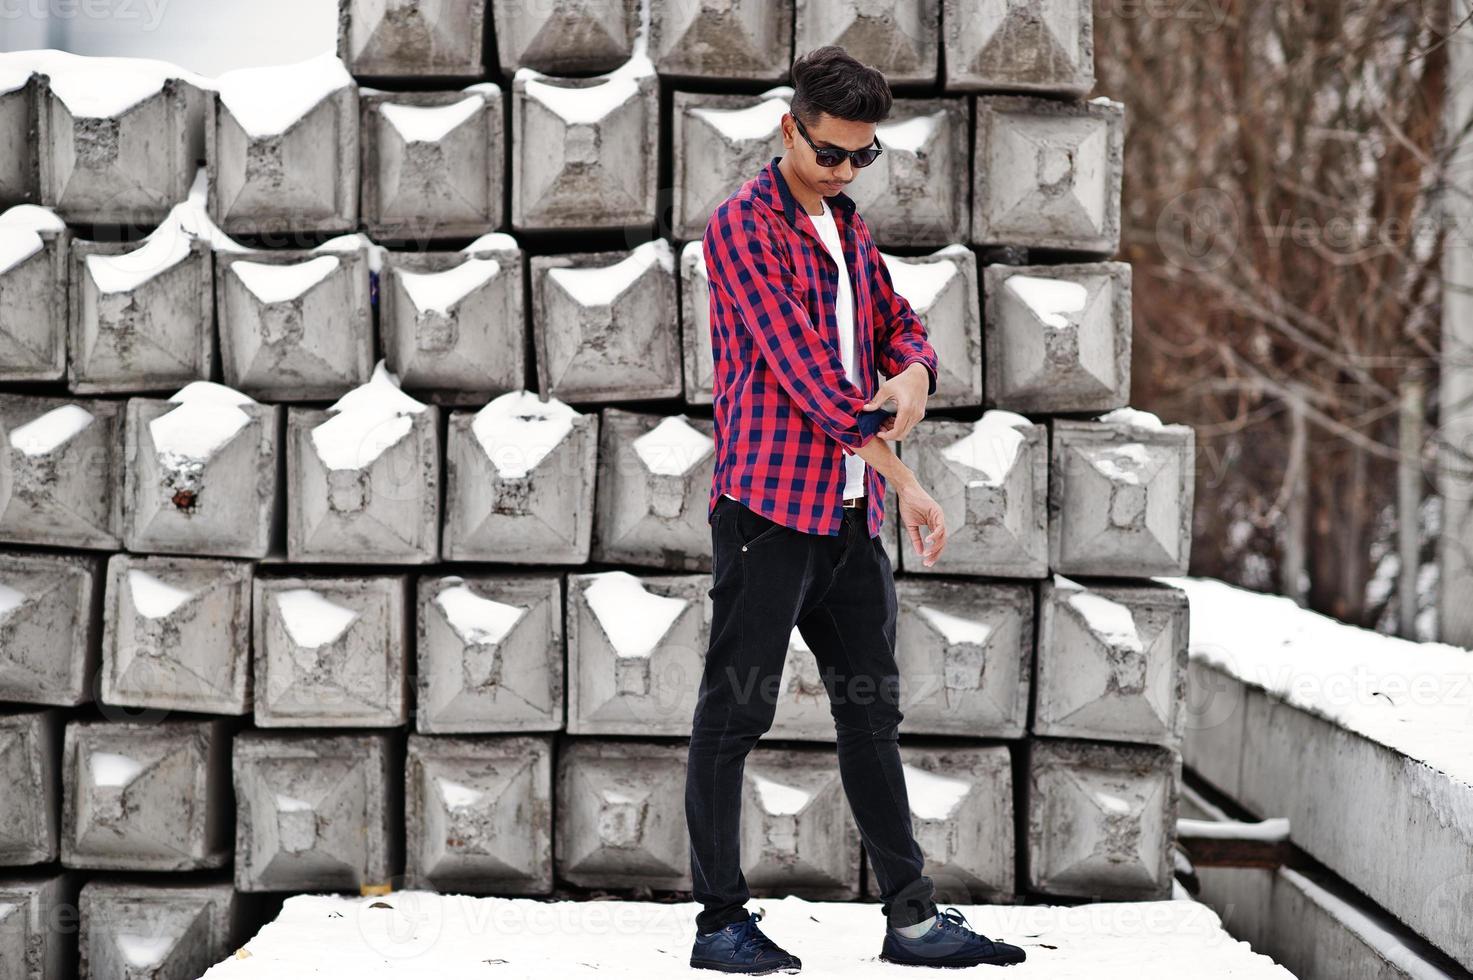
(916, 509)
(908, 389)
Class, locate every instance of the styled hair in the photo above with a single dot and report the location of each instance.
(828, 80)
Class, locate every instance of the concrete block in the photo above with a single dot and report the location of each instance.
(1046, 48)
(176, 634)
(49, 631)
(297, 324)
(1120, 495)
(750, 40)
(620, 819)
(453, 323)
(991, 479)
(30, 807)
(200, 473)
(1112, 662)
(606, 324)
(60, 462)
(654, 488)
(146, 796)
(695, 325)
(432, 162)
(803, 711)
(1101, 819)
(520, 482)
(916, 192)
(942, 290)
(282, 146)
(965, 652)
(478, 814)
(719, 142)
(363, 478)
(33, 292)
(317, 813)
(636, 648)
(490, 651)
(564, 36)
(1057, 337)
(20, 163)
(1046, 173)
(38, 917)
(903, 41)
(585, 151)
(798, 833)
(331, 651)
(156, 931)
(410, 39)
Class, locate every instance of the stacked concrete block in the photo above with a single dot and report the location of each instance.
(282, 146)
(331, 652)
(1046, 173)
(478, 814)
(803, 706)
(915, 193)
(902, 41)
(411, 40)
(565, 36)
(719, 142)
(606, 324)
(200, 473)
(176, 634)
(146, 796)
(490, 651)
(654, 490)
(49, 627)
(33, 293)
(452, 323)
(60, 463)
(750, 40)
(942, 290)
(20, 159)
(30, 807)
(620, 818)
(1046, 47)
(432, 162)
(132, 929)
(636, 648)
(520, 482)
(695, 325)
(363, 478)
(316, 813)
(798, 833)
(1058, 337)
(1120, 495)
(38, 919)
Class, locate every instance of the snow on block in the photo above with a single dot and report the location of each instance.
(1046, 50)
(163, 931)
(478, 814)
(1112, 662)
(942, 290)
(719, 142)
(1047, 173)
(695, 321)
(47, 630)
(1101, 819)
(653, 489)
(30, 807)
(33, 294)
(282, 148)
(331, 651)
(20, 161)
(565, 36)
(200, 472)
(146, 796)
(620, 819)
(432, 163)
(636, 645)
(316, 812)
(802, 708)
(991, 479)
(606, 324)
(37, 913)
(1057, 337)
(521, 476)
(916, 192)
(750, 40)
(453, 323)
(410, 39)
(1120, 495)
(59, 471)
(585, 150)
(798, 833)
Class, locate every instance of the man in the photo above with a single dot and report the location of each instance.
(803, 312)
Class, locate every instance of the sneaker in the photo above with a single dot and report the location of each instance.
(742, 948)
(949, 942)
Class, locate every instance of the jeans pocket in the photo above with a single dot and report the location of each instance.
(751, 528)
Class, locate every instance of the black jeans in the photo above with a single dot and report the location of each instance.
(839, 591)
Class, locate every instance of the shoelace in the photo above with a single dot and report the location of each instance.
(751, 938)
(951, 918)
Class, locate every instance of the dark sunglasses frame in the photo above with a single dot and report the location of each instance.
(832, 156)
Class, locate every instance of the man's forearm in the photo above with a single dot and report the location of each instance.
(878, 453)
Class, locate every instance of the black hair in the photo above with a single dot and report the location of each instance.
(828, 80)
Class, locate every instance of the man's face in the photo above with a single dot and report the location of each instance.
(827, 131)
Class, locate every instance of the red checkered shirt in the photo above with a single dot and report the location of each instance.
(786, 412)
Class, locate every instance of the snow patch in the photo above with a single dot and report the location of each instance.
(48, 431)
(113, 769)
(635, 620)
(588, 103)
(366, 422)
(1049, 299)
(153, 598)
(779, 799)
(517, 430)
(270, 100)
(207, 418)
(1134, 417)
(956, 629)
(311, 619)
(673, 446)
(601, 285)
(991, 447)
(21, 228)
(476, 619)
(429, 124)
(933, 796)
(282, 283)
(438, 291)
(920, 282)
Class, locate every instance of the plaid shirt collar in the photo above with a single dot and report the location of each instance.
(780, 196)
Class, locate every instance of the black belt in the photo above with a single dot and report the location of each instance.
(855, 501)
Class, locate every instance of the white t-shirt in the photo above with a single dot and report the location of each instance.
(854, 464)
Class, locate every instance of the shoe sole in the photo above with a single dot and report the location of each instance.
(950, 966)
(699, 965)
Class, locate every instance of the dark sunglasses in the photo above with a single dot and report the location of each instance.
(832, 156)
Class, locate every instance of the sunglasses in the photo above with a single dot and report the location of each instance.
(832, 156)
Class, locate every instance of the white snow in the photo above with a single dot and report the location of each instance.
(268, 100)
(601, 285)
(165, 247)
(475, 619)
(1049, 299)
(10, 600)
(457, 795)
(779, 799)
(312, 619)
(1271, 829)
(1122, 463)
(50, 430)
(517, 430)
(207, 418)
(956, 629)
(911, 134)
(280, 283)
(290, 804)
(438, 291)
(589, 103)
(754, 122)
(991, 447)
(192, 216)
(430, 124)
(498, 241)
(355, 241)
(92, 87)
(634, 619)
(20, 233)
(921, 282)
(1110, 620)
(113, 769)
(153, 598)
(366, 422)
(933, 796)
(673, 446)
(1133, 417)
(1110, 802)
(142, 952)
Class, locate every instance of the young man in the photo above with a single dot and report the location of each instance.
(803, 312)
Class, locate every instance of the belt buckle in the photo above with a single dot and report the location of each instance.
(852, 502)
